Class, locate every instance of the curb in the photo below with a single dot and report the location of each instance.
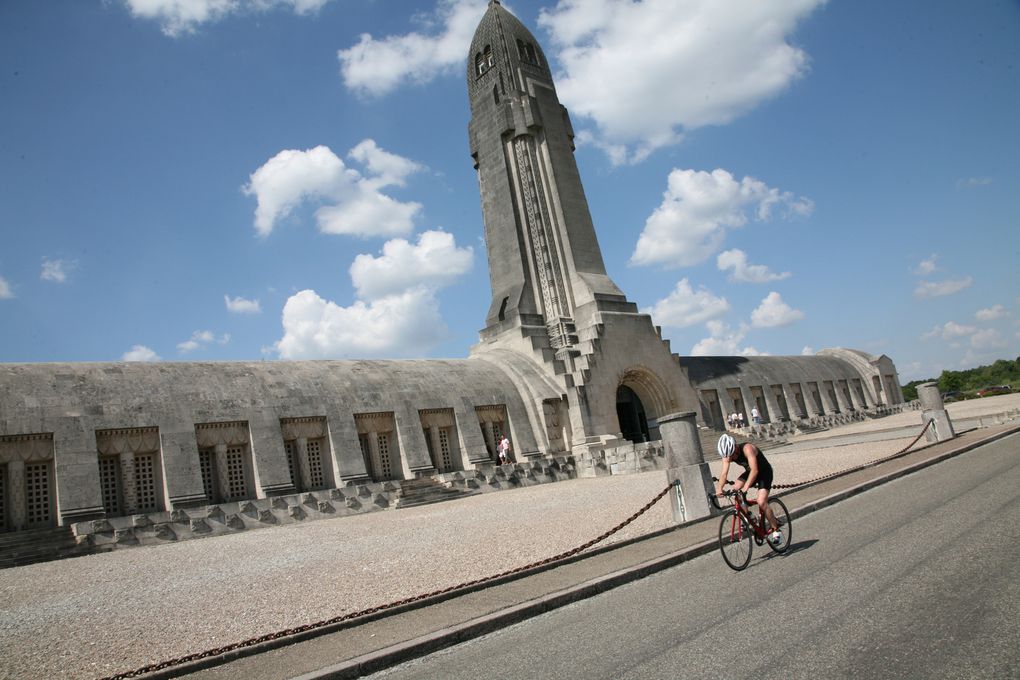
(447, 637)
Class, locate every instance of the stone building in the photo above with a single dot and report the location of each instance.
(565, 365)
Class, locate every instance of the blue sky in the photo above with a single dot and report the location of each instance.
(241, 179)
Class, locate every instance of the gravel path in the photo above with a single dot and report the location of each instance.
(101, 614)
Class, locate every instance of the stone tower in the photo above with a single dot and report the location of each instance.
(552, 300)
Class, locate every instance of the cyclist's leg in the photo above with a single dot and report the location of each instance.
(763, 502)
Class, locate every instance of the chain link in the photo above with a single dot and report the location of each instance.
(861, 466)
(251, 642)
(384, 607)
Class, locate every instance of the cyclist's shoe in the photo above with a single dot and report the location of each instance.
(776, 537)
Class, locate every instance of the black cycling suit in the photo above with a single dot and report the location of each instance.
(764, 478)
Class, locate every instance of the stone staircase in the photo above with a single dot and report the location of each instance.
(426, 490)
(19, 548)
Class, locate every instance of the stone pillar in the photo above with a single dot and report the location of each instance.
(791, 402)
(179, 454)
(490, 438)
(932, 408)
(344, 443)
(686, 466)
(745, 394)
(304, 472)
(772, 404)
(222, 473)
(129, 488)
(725, 404)
(16, 493)
(373, 454)
(469, 435)
(437, 449)
(823, 394)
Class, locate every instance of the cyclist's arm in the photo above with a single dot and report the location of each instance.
(722, 475)
(751, 453)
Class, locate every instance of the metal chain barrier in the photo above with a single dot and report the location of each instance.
(899, 453)
(251, 642)
(383, 607)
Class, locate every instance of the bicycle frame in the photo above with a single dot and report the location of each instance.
(742, 505)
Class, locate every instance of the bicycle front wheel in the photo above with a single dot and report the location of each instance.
(785, 526)
(735, 541)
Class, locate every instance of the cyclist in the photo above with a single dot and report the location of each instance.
(757, 472)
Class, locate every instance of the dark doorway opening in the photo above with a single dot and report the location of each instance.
(631, 412)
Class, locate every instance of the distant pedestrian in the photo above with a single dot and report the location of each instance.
(504, 450)
(755, 415)
(740, 420)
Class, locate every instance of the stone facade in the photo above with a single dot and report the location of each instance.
(566, 366)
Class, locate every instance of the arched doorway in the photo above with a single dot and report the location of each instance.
(631, 413)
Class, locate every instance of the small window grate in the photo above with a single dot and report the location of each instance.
(110, 482)
(315, 464)
(146, 495)
(206, 463)
(38, 497)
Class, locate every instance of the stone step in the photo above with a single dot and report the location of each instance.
(40, 545)
(424, 491)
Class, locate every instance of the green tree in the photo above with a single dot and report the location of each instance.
(950, 381)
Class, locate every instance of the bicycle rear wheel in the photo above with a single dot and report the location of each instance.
(785, 526)
(735, 541)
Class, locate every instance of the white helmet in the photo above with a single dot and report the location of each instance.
(726, 446)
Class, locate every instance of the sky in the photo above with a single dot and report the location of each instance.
(199, 180)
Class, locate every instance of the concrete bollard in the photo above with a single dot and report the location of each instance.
(932, 408)
(685, 463)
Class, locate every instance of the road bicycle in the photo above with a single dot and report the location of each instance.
(739, 527)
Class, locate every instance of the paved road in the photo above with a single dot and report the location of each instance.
(918, 578)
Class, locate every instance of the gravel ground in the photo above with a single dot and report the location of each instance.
(101, 614)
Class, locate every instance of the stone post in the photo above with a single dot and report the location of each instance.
(304, 473)
(932, 408)
(373, 452)
(129, 488)
(686, 466)
(222, 473)
(437, 449)
(16, 494)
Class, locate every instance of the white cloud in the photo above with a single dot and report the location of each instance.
(352, 202)
(377, 66)
(927, 267)
(201, 339)
(434, 262)
(991, 313)
(987, 339)
(950, 331)
(773, 312)
(397, 313)
(807, 351)
(55, 270)
(387, 168)
(742, 271)
(240, 305)
(6, 293)
(684, 307)
(179, 17)
(927, 289)
(139, 353)
(672, 66)
(698, 207)
(405, 324)
(971, 182)
(723, 341)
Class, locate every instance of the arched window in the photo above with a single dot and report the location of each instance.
(484, 61)
(479, 64)
(495, 93)
(489, 60)
(532, 55)
(522, 53)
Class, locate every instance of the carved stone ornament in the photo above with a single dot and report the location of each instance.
(132, 440)
(26, 447)
(309, 428)
(229, 434)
